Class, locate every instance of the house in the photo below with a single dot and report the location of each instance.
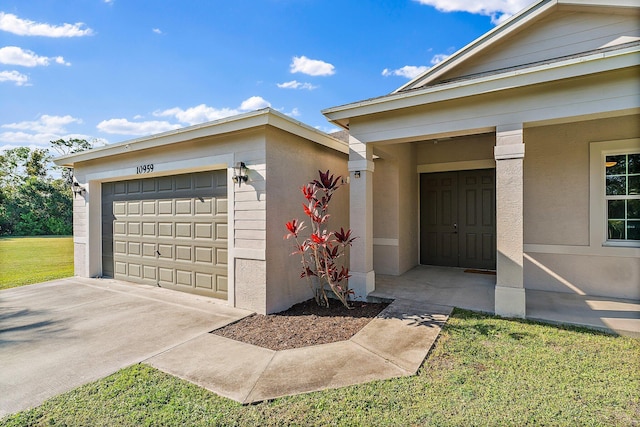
(165, 210)
(519, 153)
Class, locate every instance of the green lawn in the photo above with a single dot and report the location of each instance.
(483, 371)
(27, 260)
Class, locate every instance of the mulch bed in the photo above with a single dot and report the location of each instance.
(302, 325)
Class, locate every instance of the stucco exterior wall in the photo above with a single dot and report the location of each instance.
(291, 163)
(559, 255)
(386, 212)
(556, 177)
(80, 232)
(395, 204)
(466, 148)
(409, 191)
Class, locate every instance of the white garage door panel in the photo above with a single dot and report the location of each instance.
(168, 231)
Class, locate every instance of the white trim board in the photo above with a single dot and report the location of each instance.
(381, 241)
(457, 166)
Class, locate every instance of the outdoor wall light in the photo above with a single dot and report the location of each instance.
(76, 188)
(240, 173)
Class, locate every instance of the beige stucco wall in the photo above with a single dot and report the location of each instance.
(556, 177)
(386, 215)
(291, 163)
(617, 277)
(395, 204)
(466, 148)
(558, 253)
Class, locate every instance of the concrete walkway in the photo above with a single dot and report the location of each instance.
(472, 291)
(58, 335)
(392, 345)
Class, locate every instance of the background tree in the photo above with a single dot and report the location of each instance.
(32, 202)
(70, 146)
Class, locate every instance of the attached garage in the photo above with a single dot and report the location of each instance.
(165, 210)
(168, 231)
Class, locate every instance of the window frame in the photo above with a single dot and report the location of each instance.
(598, 203)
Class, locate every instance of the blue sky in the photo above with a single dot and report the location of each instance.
(112, 70)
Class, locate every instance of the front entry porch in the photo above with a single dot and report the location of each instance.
(476, 291)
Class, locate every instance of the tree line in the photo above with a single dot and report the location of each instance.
(34, 202)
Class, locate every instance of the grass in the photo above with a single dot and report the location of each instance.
(27, 260)
(483, 370)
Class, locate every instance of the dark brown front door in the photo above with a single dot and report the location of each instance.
(457, 219)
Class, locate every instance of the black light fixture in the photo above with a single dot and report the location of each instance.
(240, 173)
(76, 188)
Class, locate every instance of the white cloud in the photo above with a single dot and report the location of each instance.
(20, 139)
(203, 113)
(311, 67)
(438, 58)
(498, 10)
(408, 71)
(294, 84)
(254, 103)
(293, 113)
(13, 55)
(24, 138)
(14, 76)
(328, 129)
(45, 124)
(198, 114)
(125, 127)
(23, 27)
(39, 133)
(412, 71)
(157, 30)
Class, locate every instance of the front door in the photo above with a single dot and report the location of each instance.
(457, 219)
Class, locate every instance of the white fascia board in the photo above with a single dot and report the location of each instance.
(560, 70)
(303, 130)
(231, 124)
(600, 3)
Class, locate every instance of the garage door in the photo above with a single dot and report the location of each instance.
(167, 231)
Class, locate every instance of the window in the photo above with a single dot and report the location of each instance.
(622, 195)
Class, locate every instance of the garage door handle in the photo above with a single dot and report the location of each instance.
(455, 228)
(158, 252)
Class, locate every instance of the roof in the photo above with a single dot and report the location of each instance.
(524, 18)
(254, 119)
(429, 87)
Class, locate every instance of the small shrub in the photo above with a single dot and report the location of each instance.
(322, 249)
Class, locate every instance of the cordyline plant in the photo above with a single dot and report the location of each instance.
(321, 250)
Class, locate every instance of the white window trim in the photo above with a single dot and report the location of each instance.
(597, 205)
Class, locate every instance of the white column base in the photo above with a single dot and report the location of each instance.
(510, 302)
(362, 284)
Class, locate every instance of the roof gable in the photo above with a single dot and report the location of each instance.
(546, 30)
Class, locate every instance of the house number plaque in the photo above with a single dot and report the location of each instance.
(148, 168)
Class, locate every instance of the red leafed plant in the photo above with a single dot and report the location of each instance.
(322, 249)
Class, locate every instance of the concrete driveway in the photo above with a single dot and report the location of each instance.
(58, 335)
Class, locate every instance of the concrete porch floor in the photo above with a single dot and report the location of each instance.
(475, 291)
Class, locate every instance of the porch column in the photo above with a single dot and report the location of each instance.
(362, 280)
(509, 155)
